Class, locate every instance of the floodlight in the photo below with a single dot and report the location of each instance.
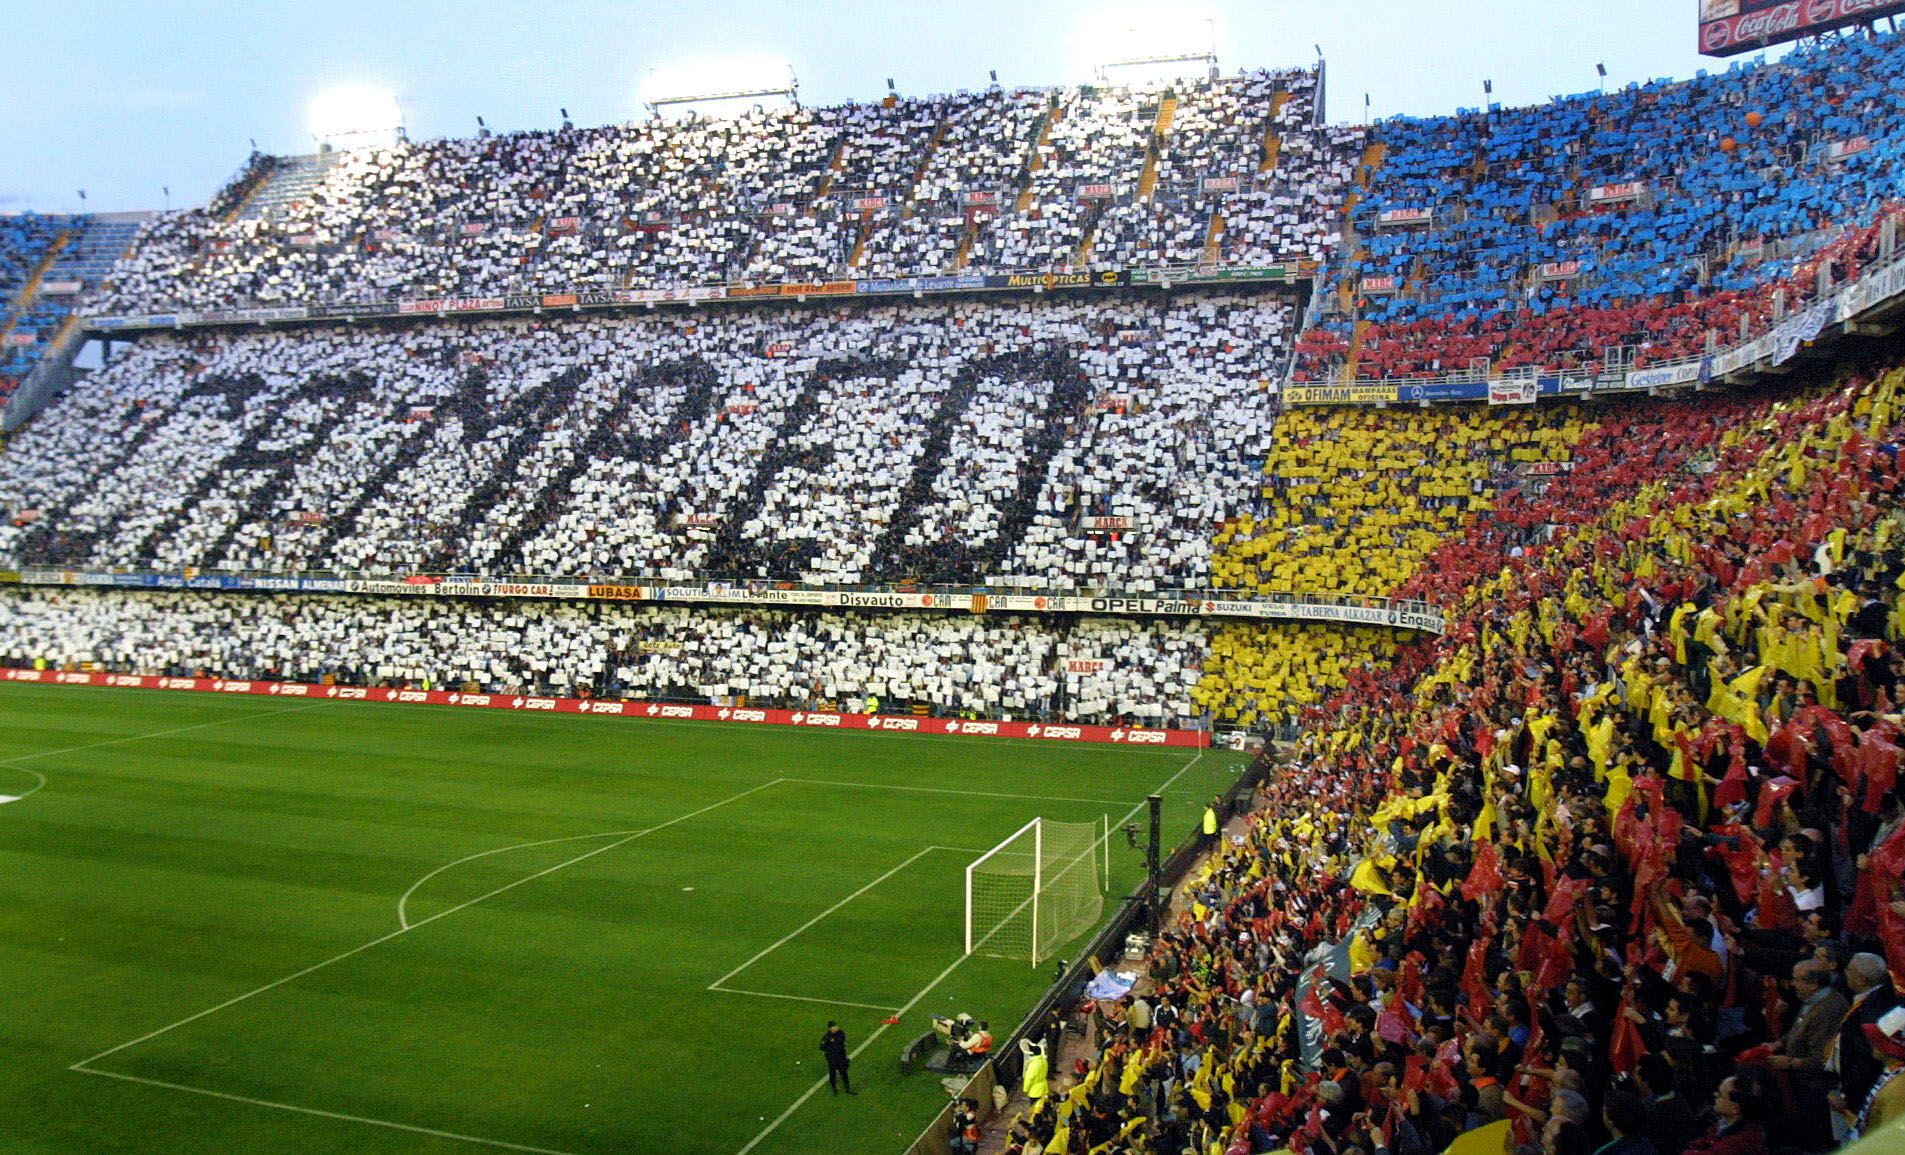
(691, 86)
(356, 116)
(1147, 42)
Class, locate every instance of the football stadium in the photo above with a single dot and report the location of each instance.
(1153, 613)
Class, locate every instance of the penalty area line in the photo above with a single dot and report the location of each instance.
(401, 931)
(791, 935)
(797, 1104)
(413, 1129)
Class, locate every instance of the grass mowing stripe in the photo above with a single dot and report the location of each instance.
(943, 975)
(40, 782)
(791, 935)
(431, 1131)
(232, 1002)
(516, 1016)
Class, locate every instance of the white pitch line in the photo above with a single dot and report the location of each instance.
(791, 935)
(231, 1002)
(415, 1130)
(940, 790)
(403, 919)
(40, 779)
(720, 990)
(158, 733)
(930, 987)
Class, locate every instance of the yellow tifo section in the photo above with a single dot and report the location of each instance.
(1355, 500)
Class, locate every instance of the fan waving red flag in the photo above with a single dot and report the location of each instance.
(1485, 877)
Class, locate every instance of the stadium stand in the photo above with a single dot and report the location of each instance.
(1648, 221)
(951, 666)
(27, 243)
(1610, 845)
(971, 442)
(1627, 840)
(1011, 180)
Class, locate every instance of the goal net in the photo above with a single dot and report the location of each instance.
(1037, 890)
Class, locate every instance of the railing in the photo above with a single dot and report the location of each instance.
(1879, 287)
(1344, 609)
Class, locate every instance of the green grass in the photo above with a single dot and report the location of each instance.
(189, 850)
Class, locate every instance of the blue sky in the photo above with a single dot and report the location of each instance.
(125, 99)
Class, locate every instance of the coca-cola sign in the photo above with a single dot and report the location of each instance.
(1754, 24)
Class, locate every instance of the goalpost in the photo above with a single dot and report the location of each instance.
(1038, 889)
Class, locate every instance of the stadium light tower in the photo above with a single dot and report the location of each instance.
(357, 116)
(1154, 42)
(685, 87)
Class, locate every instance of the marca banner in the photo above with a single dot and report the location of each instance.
(1096, 191)
(1227, 184)
(656, 711)
(60, 288)
(980, 200)
(1521, 391)
(1405, 217)
(1560, 270)
(1383, 394)
(1613, 193)
(1730, 27)
(1107, 524)
(1836, 151)
(1372, 285)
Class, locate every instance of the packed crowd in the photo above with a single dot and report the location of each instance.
(1655, 218)
(1086, 670)
(1617, 864)
(25, 240)
(1012, 180)
(1043, 443)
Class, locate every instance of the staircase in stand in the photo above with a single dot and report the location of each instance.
(1214, 239)
(1148, 180)
(290, 184)
(1355, 352)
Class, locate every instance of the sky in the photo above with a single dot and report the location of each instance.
(127, 100)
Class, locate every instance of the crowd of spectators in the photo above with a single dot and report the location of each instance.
(1618, 864)
(25, 240)
(1031, 443)
(1652, 219)
(1089, 670)
(1015, 180)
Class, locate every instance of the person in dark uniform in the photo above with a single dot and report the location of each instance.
(833, 1044)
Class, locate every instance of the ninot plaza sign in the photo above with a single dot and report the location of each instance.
(656, 711)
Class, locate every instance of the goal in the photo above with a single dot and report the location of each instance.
(1038, 890)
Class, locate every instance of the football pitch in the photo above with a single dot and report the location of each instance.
(246, 925)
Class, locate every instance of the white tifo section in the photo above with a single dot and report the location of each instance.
(1036, 891)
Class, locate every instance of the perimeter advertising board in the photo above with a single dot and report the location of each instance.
(1730, 27)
